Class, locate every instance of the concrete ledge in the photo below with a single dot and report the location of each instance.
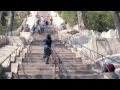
(14, 67)
(6, 64)
(18, 53)
(13, 57)
(19, 60)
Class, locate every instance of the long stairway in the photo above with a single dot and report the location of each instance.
(34, 67)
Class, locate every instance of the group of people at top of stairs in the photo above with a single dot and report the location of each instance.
(41, 24)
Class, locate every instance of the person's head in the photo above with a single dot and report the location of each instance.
(109, 68)
(48, 37)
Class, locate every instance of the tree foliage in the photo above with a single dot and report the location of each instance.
(18, 19)
(69, 16)
(95, 20)
(98, 20)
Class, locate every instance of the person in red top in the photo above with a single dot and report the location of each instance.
(110, 69)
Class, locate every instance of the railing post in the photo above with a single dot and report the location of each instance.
(10, 64)
(55, 68)
(103, 64)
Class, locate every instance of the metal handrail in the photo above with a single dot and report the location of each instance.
(96, 52)
(103, 57)
(57, 63)
(14, 52)
(10, 55)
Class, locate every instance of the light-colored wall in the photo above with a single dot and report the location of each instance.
(3, 40)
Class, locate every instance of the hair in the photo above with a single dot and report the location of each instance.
(49, 37)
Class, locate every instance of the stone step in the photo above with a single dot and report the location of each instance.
(66, 55)
(33, 61)
(35, 76)
(35, 54)
(36, 68)
(81, 76)
(80, 71)
(62, 50)
(34, 58)
(77, 67)
(36, 72)
(71, 61)
(36, 65)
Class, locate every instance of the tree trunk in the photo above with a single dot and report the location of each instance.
(0, 19)
(10, 23)
(116, 20)
(80, 20)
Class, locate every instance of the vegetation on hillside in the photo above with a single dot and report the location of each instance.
(70, 17)
(18, 19)
(96, 20)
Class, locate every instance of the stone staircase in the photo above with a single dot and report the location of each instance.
(74, 66)
(34, 67)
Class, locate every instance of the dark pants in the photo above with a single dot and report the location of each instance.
(46, 57)
(42, 29)
(47, 53)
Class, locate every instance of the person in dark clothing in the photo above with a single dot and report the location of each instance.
(47, 48)
(46, 25)
(33, 28)
(51, 20)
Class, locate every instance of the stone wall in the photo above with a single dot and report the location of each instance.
(16, 40)
(106, 43)
(3, 40)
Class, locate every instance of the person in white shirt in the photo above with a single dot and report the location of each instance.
(42, 24)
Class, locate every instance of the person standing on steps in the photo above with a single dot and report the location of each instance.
(42, 24)
(46, 25)
(51, 20)
(33, 29)
(38, 25)
(47, 48)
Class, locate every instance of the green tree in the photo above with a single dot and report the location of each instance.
(98, 20)
(10, 22)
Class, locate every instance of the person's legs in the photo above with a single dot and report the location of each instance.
(46, 28)
(47, 60)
